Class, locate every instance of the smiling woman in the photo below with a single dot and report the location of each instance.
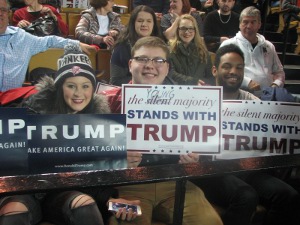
(72, 91)
(190, 60)
(142, 23)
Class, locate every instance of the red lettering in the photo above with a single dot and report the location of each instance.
(134, 128)
(207, 132)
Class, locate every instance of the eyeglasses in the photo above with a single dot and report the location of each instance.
(4, 10)
(185, 29)
(144, 60)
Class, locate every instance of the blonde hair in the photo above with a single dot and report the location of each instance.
(198, 40)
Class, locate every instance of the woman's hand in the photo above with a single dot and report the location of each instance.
(113, 33)
(23, 23)
(47, 10)
(108, 40)
(189, 158)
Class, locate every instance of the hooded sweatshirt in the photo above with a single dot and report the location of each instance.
(261, 62)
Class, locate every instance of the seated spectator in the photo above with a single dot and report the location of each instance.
(239, 195)
(149, 65)
(262, 65)
(160, 7)
(17, 47)
(225, 25)
(142, 23)
(190, 60)
(72, 91)
(178, 8)
(99, 25)
(25, 16)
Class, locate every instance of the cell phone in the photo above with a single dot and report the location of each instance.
(115, 206)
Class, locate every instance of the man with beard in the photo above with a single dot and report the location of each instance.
(220, 25)
(228, 70)
(239, 195)
(262, 65)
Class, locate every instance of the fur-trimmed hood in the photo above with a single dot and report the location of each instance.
(43, 102)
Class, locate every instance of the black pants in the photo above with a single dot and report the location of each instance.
(240, 197)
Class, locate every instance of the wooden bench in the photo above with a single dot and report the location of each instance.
(48, 59)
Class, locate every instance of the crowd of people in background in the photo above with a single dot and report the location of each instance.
(164, 42)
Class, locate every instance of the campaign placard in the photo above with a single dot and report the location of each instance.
(13, 142)
(167, 119)
(76, 142)
(260, 128)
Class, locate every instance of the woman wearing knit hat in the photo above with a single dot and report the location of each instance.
(72, 91)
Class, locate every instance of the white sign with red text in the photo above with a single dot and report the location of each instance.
(259, 128)
(166, 119)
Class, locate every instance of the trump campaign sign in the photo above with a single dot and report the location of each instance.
(260, 128)
(165, 119)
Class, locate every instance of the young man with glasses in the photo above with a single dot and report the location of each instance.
(17, 47)
(149, 65)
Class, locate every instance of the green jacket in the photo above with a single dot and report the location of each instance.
(186, 68)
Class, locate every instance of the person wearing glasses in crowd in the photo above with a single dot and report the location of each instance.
(178, 8)
(17, 47)
(149, 65)
(190, 60)
(142, 23)
(99, 25)
(33, 10)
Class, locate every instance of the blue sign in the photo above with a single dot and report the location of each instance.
(13, 141)
(77, 142)
(32, 144)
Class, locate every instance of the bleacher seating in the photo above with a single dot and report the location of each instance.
(48, 59)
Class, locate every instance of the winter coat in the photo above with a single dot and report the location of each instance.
(87, 28)
(187, 69)
(44, 101)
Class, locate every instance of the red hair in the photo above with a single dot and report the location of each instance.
(186, 6)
